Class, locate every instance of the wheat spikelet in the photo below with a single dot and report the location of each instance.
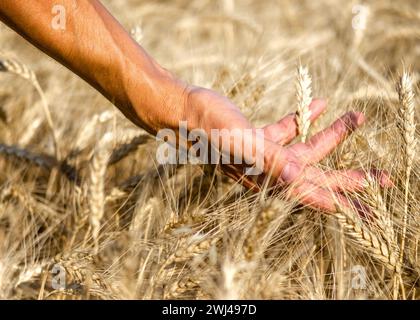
(187, 249)
(304, 98)
(143, 215)
(99, 164)
(190, 250)
(300, 258)
(17, 68)
(6, 191)
(3, 115)
(115, 194)
(255, 96)
(29, 273)
(23, 71)
(180, 287)
(230, 287)
(30, 131)
(176, 225)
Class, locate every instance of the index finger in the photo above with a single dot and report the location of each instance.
(325, 141)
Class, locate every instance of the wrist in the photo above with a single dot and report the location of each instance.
(155, 96)
(196, 106)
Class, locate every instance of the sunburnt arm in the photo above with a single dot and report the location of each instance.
(96, 47)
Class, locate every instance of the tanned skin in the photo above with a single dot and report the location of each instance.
(96, 47)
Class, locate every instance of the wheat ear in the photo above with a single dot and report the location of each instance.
(16, 67)
(383, 217)
(80, 274)
(266, 215)
(99, 164)
(304, 98)
(41, 160)
(407, 126)
(360, 233)
(361, 23)
(127, 146)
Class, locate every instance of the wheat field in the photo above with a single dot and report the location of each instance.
(86, 212)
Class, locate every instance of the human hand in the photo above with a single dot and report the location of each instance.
(287, 164)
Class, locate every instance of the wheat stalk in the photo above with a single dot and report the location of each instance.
(16, 67)
(406, 120)
(407, 126)
(99, 164)
(304, 98)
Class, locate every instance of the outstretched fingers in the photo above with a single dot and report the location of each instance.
(325, 141)
(319, 198)
(346, 180)
(327, 200)
(285, 130)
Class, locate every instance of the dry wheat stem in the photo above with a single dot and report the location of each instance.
(406, 123)
(16, 67)
(98, 168)
(304, 98)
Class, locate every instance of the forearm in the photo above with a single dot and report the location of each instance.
(97, 48)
